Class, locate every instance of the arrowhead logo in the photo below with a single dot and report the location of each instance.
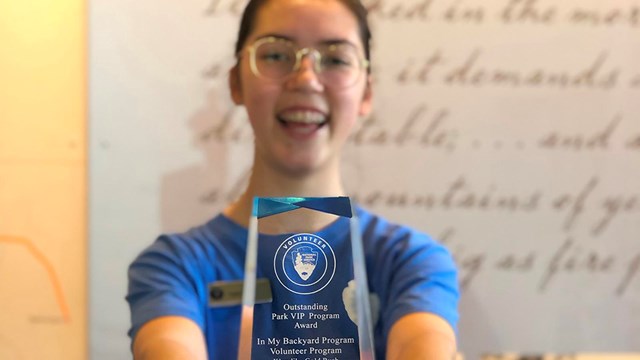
(304, 261)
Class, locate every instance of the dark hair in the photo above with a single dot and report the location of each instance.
(251, 12)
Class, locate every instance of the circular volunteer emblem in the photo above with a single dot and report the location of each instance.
(304, 264)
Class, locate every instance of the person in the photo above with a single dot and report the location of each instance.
(303, 75)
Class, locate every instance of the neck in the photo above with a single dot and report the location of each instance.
(265, 181)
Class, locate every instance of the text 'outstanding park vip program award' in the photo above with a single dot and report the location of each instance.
(320, 300)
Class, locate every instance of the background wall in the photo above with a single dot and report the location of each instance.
(43, 193)
(508, 129)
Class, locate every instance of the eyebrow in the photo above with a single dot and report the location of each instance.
(323, 42)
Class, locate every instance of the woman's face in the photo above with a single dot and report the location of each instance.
(301, 124)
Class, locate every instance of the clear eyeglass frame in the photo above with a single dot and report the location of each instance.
(348, 76)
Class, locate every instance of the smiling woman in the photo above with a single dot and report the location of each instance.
(302, 75)
(301, 119)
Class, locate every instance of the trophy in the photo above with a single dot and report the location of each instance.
(305, 293)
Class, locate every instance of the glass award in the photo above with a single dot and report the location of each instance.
(316, 305)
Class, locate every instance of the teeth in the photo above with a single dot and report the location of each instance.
(304, 117)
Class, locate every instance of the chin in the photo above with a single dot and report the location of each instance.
(301, 163)
(298, 168)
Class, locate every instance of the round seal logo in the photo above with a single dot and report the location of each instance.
(304, 264)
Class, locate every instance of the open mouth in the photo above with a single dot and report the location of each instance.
(302, 122)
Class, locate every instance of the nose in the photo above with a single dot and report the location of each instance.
(305, 73)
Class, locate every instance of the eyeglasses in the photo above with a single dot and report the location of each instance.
(336, 65)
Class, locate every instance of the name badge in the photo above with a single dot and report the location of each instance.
(229, 293)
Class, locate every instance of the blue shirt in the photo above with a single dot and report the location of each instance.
(407, 271)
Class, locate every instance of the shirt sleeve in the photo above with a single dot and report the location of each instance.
(420, 276)
(161, 283)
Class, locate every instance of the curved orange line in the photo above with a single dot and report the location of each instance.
(39, 256)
